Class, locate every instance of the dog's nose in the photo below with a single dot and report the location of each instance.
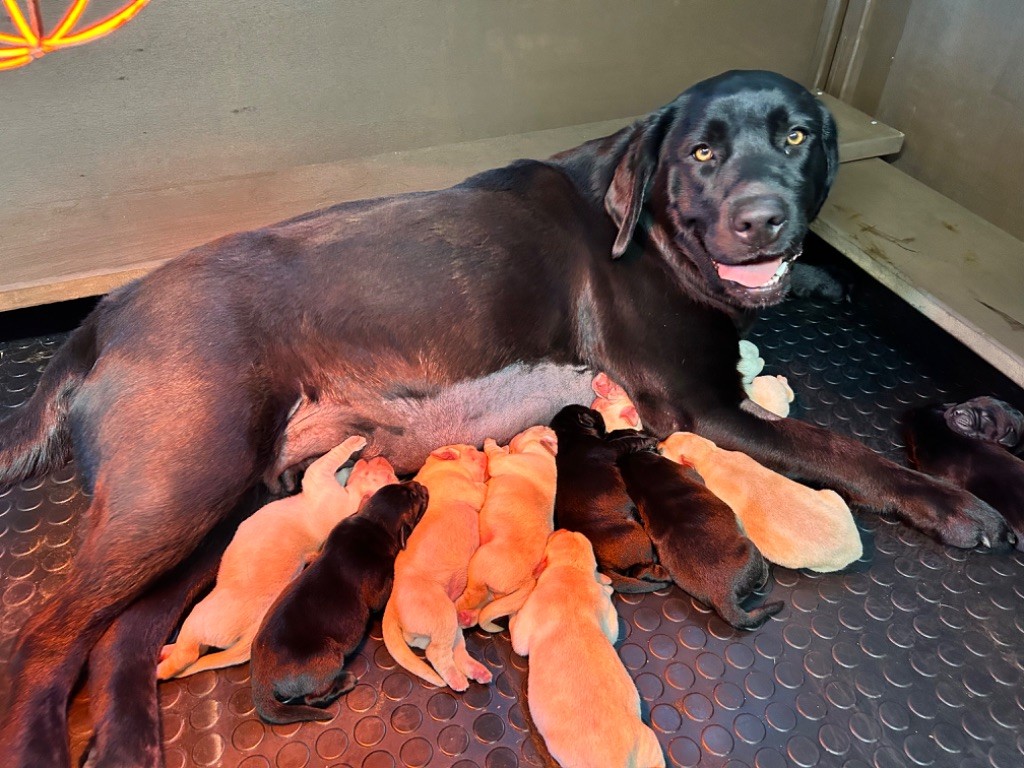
(758, 221)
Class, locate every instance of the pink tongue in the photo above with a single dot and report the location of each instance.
(750, 275)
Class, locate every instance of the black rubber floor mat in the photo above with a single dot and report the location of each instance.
(912, 657)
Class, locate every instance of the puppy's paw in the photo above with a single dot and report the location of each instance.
(479, 673)
(468, 618)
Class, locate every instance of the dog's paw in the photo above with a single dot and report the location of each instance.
(468, 618)
(958, 518)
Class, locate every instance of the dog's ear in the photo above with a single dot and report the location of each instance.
(551, 443)
(830, 148)
(625, 196)
(446, 453)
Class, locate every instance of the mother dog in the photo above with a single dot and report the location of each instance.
(401, 318)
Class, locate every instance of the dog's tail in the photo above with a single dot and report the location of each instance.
(394, 640)
(35, 438)
(505, 605)
(644, 577)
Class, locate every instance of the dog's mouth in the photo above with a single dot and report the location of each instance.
(762, 281)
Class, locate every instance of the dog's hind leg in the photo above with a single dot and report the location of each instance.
(467, 665)
(153, 503)
(237, 654)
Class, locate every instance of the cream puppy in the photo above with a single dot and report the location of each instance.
(432, 570)
(614, 405)
(793, 525)
(581, 698)
(268, 551)
(515, 522)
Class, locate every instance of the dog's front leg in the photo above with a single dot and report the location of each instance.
(824, 459)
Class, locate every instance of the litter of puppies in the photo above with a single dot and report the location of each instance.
(542, 531)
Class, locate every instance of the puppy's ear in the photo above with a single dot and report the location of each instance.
(551, 443)
(446, 453)
(625, 196)
(830, 148)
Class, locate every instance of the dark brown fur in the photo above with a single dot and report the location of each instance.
(697, 538)
(298, 655)
(250, 354)
(591, 499)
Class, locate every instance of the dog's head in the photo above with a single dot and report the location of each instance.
(570, 548)
(986, 418)
(411, 498)
(732, 172)
(469, 459)
(539, 438)
(578, 420)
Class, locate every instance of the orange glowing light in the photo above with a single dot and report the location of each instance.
(31, 40)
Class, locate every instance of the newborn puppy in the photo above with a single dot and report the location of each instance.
(592, 499)
(985, 418)
(515, 522)
(268, 551)
(986, 469)
(298, 656)
(697, 537)
(431, 572)
(614, 405)
(793, 525)
(581, 698)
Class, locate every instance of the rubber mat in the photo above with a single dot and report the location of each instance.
(912, 657)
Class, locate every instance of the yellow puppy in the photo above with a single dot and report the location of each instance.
(515, 522)
(614, 405)
(431, 572)
(268, 551)
(793, 525)
(581, 698)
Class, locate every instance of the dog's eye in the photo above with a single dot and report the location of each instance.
(702, 153)
(796, 136)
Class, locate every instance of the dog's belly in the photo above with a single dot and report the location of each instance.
(406, 424)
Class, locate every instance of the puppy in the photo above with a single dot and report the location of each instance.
(298, 656)
(268, 551)
(697, 537)
(581, 698)
(515, 522)
(432, 571)
(614, 405)
(793, 525)
(984, 468)
(985, 418)
(592, 499)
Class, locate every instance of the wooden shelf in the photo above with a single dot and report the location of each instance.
(87, 247)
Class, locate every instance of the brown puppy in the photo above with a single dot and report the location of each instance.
(298, 656)
(268, 551)
(793, 525)
(592, 499)
(515, 522)
(986, 418)
(581, 698)
(431, 572)
(697, 537)
(982, 466)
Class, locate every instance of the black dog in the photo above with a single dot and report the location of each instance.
(298, 655)
(123, 699)
(635, 255)
(986, 418)
(697, 538)
(981, 466)
(591, 498)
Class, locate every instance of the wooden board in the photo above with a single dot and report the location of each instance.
(78, 248)
(962, 272)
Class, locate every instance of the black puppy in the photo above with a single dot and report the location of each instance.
(986, 418)
(984, 468)
(591, 498)
(697, 537)
(298, 655)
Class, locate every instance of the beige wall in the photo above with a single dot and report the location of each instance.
(201, 89)
(956, 88)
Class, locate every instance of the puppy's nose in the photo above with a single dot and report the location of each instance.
(758, 221)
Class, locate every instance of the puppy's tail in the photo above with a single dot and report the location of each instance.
(742, 619)
(394, 640)
(35, 438)
(505, 605)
